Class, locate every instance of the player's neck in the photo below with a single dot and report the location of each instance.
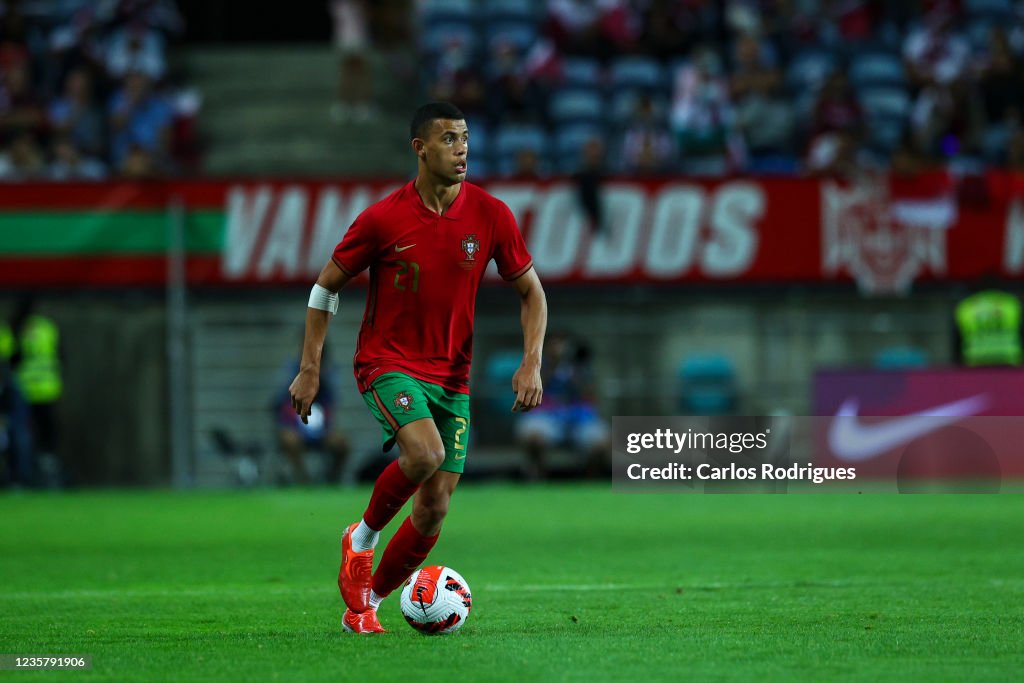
(435, 196)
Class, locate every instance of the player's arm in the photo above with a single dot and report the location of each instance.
(526, 382)
(323, 303)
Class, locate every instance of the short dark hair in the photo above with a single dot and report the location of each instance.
(431, 112)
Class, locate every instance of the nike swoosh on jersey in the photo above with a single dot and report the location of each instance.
(853, 441)
(400, 249)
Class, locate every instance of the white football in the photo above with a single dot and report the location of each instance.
(436, 600)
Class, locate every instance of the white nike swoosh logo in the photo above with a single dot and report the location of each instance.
(853, 441)
(398, 248)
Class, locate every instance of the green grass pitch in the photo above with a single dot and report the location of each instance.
(569, 583)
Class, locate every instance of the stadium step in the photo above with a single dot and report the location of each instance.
(267, 110)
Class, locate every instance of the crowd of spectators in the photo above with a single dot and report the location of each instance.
(721, 86)
(84, 91)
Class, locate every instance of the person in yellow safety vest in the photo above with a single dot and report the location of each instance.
(988, 326)
(37, 371)
(6, 342)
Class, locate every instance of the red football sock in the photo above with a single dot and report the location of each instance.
(404, 554)
(390, 492)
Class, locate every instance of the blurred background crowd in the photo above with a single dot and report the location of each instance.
(668, 86)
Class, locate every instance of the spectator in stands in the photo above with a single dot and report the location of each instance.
(140, 121)
(23, 158)
(646, 142)
(763, 113)
(136, 49)
(294, 436)
(20, 108)
(934, 54)
(837, 129)
(355, 97)
(568, 416)
(457, 79)
(672, 27)
(76, 114)
(514, 95)
(1001, 87)
(76, 43)
(596, 28)
(70, 164)
(702, 117)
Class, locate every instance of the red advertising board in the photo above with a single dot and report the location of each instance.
(883, 234)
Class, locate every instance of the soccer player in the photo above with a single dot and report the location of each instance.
(427, 246)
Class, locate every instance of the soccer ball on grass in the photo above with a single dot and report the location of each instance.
(436, 600)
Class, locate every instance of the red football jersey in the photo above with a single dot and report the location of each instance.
(425, 270)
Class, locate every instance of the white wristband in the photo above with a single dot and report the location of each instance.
(323, 299)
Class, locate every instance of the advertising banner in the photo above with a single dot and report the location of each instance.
(883, 234)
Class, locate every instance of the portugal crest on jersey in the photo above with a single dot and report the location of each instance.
(403, 400)
(470, 247)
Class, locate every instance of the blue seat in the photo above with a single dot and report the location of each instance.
(435, 38)
(511, 139)
(884, 103)
(498, 370)
(808, 70)
(509, 10)
(708, 385)
(518, 33)
(901, 358)
(446, 11)
(569, 142)
(576, 106)
(877, 69)
(637, 72)
(579, 72)
(973, 7)
(886, 133)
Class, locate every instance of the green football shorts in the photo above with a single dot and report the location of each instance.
(396, 399)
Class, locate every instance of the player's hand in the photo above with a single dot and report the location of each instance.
(303, 390)
(527, 387)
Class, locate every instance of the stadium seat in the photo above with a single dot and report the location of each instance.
(623, 105)
(975, 7)
(708, 385)
(510, 10)
(808, 70)
(637, 72)
(876, 69)
(498, 370)
(901, 358)
(434, 39)
(579, 72)
(520, 34)
(569, 143)
(884, 103)
(885, 134)
(511, 139)
(447, 9)
(576, 106)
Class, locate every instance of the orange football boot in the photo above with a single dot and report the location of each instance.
(361, 622)
(354, 574)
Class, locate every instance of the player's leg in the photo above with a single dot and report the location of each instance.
(421, 452)
(402, 408)
(416, 537)
(412, 543)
